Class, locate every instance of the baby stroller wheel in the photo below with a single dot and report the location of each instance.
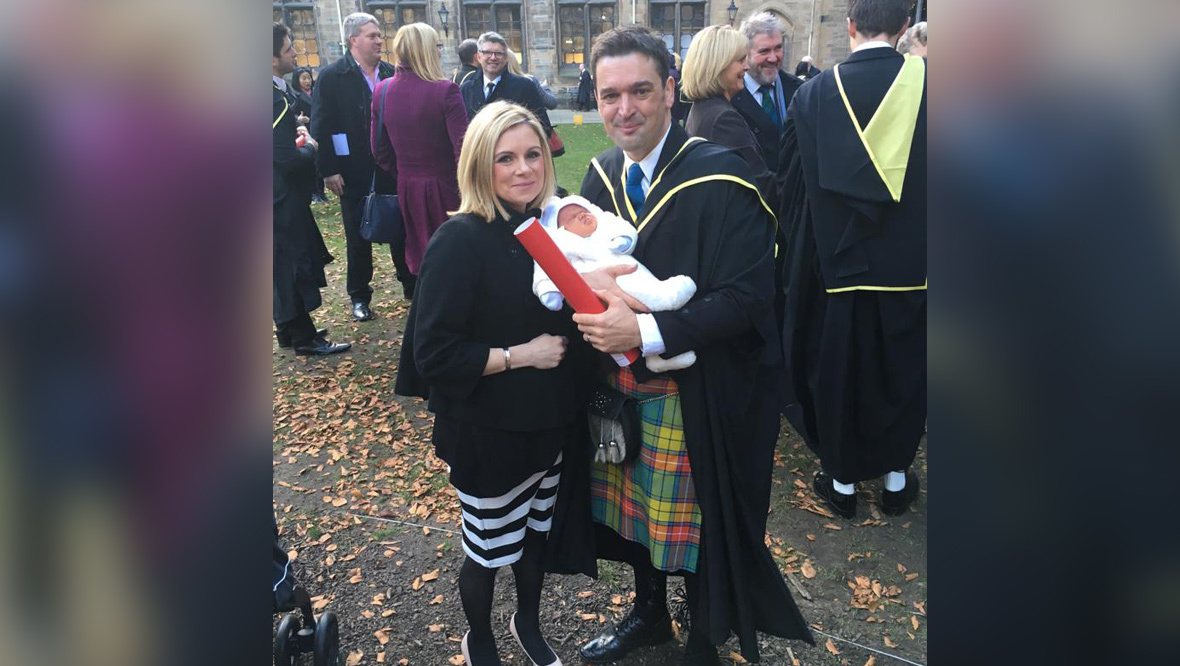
(287, 641)
(327, 641)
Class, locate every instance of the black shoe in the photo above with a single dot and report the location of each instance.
(322, 347)
(630, 633)
(843, 505)
(361, 312)
(285, 339)
(895, 503)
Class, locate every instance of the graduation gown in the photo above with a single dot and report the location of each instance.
(717, 230)
(299, 250)
(854, 329)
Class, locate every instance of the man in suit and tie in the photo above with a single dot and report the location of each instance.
(340, 115)
(764, 100)
(497, 83)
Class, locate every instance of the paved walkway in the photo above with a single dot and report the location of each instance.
(566, 117)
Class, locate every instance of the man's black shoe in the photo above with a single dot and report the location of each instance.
(322, 347)
(285, 340)
(843, 505)
(630, 633)
(361, 312)
(895, 503)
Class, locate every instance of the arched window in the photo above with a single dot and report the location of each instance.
(300, 18)
(578, 23)
(502, 16)
(393, 14)
(677, 21)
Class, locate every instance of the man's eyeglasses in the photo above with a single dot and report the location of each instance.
(493, 54)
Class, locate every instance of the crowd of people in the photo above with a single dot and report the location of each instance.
(797, 206)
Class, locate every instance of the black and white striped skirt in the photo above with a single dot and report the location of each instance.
(494, 527)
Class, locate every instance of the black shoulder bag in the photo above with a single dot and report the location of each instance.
(381, 218)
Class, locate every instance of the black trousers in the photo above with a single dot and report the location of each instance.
(300, 330)
(360, 254)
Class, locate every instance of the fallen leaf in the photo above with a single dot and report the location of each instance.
(382, 635)
(807, 569)
(387, 612)
(457, 660)
(427, 577)
(889, 643)
(872, 661)
(354, 658)
(588, 616)
(437, 600)
(367, 614)
(737, 658)
(811, 537)
(901, 568)
(356, 576)
(921, 606)
(584, 594)
(416, 585)
(380, 657)
(911, 576)
(914, 621)
(832, 526)
(435, 628)
(831, 647)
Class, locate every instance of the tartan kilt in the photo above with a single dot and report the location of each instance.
(651, 500)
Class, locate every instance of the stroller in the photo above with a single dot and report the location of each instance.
(296, 636)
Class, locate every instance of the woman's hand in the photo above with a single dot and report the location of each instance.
(544, 352)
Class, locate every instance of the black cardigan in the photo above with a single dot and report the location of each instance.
(475, 293)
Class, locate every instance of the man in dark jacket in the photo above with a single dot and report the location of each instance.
(299, 252)
(340, 117)
(698, 213)
(764, 100)
(467, 50)
(497, 83)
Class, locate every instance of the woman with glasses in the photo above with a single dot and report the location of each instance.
(418, 137)
(506, 379)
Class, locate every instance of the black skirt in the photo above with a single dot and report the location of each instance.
(487, 462)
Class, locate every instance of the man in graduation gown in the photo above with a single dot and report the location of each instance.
(698, 214)
(853, 202)
(299, 251)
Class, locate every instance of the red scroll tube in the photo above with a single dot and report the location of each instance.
(536, 240)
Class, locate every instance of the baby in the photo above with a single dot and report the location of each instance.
(591, 238)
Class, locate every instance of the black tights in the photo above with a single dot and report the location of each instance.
(477, 585)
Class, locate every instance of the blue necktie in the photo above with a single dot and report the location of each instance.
(635, 186)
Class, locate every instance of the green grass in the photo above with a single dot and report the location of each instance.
(581, 143)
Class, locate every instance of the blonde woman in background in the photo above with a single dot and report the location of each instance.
(547, 96)
(714, 71)
(419, 138)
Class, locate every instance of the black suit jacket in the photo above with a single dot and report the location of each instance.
(341, 104)
(760, 124)
(511, 88)
(714, 119)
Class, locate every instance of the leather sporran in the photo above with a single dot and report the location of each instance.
(614, 426)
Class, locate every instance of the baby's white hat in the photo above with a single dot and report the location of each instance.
(555, 204)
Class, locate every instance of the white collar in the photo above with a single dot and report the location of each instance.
(280, 82)
(496, 80)
(873, 45)
(648, 163)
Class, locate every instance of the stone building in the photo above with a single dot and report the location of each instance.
(553, 36)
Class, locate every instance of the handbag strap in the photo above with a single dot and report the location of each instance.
(380, 131)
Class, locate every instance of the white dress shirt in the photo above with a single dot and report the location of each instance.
(873, 45)
(753, 86)
(486, 81)
(652, 342)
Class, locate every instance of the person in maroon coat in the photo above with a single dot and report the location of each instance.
(419, 137)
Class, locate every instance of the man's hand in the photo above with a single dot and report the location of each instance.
(301, 119)
(307, 140)
(335, 182)
(603, 279)
(613, 331)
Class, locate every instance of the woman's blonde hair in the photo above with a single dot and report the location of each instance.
(712, 50)
(514, 63)
(415, 47)
(477, 161)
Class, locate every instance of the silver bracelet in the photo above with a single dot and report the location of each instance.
(507, 359)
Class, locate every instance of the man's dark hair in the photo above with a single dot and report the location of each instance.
(467, 49)
(627, 40)
(281, 32)
(875, 17)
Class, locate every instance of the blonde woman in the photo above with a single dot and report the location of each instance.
(547, 96)
(419, 137)
(714, 71)
(506, 379)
